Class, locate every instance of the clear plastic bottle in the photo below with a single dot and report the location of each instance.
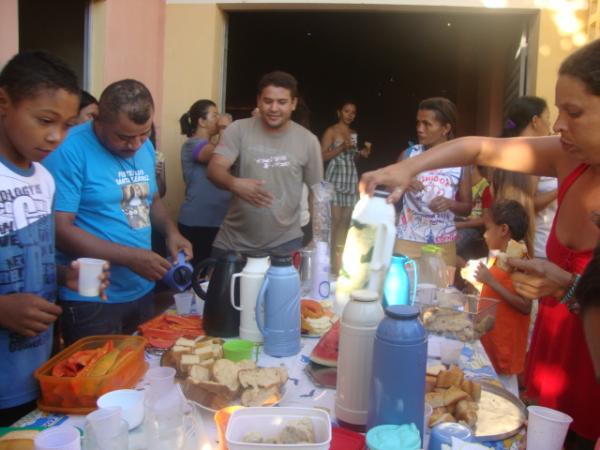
(432, 268)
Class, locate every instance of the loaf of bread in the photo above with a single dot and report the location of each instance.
(514, 249)
(226, 381)
(454, 398)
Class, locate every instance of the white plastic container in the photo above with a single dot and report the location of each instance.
(355, 361)
(90, 270)
(251, 279)
(368, 249)
(270, 421)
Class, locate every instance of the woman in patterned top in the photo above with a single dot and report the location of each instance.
(434, 196)
(339, 146)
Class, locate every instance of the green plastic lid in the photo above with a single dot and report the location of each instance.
(394, 437)
(432, 248)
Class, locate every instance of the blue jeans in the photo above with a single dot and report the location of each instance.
(81, 319)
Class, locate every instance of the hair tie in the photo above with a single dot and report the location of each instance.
(510, 125)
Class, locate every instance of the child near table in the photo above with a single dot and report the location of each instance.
(39, 100)
(506, 343)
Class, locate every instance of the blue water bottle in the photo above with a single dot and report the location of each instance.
(278, 308)
(397, 394)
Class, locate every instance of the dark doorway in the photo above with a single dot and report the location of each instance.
(57, 27)
(385, 62)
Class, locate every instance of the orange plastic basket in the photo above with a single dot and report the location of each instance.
(78, 395)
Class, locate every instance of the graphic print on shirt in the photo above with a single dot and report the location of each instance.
(270, 165)
(26, 237)
(417, 222)
(135, 189)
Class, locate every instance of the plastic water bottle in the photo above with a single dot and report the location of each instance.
(397, 394)
(355, 361)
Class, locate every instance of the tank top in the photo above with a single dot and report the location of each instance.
(559, 371)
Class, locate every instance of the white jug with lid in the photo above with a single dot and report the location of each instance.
(251, 279)
(368, 249)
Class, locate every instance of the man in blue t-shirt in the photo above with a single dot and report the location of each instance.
(106, 205)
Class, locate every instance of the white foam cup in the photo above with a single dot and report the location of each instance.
(64, 437)
(183, 302)
(90, 270)
(426, 293)
(450, 351)
(546, 428)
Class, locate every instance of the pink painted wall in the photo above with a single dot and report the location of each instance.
(135, 31)
(9, 30)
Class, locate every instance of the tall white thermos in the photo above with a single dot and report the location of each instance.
(359, 323)
(251, 279)
(368, 249)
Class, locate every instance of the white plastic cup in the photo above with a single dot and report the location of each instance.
(450, 351)
(90, 270)
(105, 421)
(426, 293)
(64, 437)
(161, 379)
(546, 428)
(183, 303)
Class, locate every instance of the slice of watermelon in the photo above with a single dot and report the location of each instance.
(326, 351)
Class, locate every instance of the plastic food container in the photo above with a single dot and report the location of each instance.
(270, 421)
(459, 316)
(78, 395)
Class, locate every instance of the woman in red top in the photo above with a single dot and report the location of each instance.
(560, 372)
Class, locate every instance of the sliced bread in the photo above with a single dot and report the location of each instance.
(260, 397)
(263, 378)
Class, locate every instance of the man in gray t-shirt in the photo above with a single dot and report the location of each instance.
(274, 157)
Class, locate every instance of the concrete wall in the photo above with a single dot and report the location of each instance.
(194, 42)
(9, 30)
(127, 41)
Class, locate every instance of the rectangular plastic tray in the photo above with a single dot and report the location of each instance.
(78, 395)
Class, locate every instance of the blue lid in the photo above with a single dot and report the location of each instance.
(394, 437)
(402, 312)
(401, 326)
(443, 432)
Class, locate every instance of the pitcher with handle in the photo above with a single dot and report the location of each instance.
(251, 279)
(278, 308)
(368, 248)
(399, 288)
(220, 319)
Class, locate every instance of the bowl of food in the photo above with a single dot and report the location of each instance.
(460, 316)
(278, 428)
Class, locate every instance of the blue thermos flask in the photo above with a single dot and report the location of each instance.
(397, 394)
(278, 308)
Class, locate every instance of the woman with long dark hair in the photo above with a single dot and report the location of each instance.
(205, 205)
(339, 146)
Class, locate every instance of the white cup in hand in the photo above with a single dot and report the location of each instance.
(90, 270)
